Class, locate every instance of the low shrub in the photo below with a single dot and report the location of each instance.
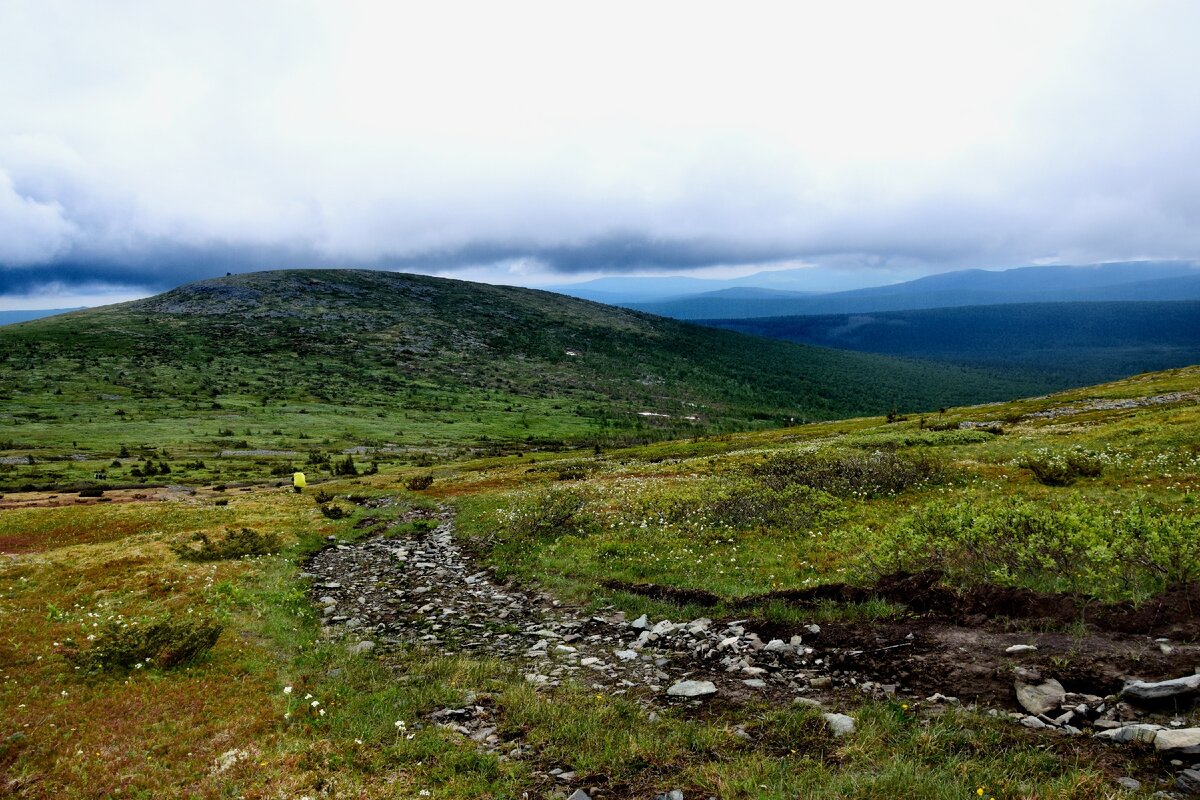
(235, 544)
(322, 497)
(163, 642)
(548, 514)
(418, 483)
(1120, 553)
(91, 492)
(1063, 468)
(345, 466)
(331, 511)
(877, 474)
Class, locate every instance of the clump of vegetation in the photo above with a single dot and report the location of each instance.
(418, 483)
(1120, 553)
(877, 474)
(1063, 468)
(548, 514)
(927, 437)
(235, 544)
(331, 511)
(571, 472)
(163, 642)
(345, 466)
(322, 496)
(92, 491)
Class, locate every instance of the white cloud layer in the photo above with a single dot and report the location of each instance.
(587, 139)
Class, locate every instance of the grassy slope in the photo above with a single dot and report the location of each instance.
(156, 733)
(298, 361)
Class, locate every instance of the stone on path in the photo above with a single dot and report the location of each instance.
(1142, 690)
(1181, 742)
(839, 724)
(1137, 732)
(1040, 698)
(692, 689)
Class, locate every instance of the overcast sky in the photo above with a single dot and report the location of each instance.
(146, 144)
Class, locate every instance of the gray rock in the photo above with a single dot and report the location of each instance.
(1132, 784)
(1017, 649)
(1189, 781)
(579, 794)
(1138, 732)
(839, 724)
(1040, 698)
(1034, 723)
(755, 683)
(362, 647)
(640, 623)
(1141, 690)
(1181, 742)
(692, 689)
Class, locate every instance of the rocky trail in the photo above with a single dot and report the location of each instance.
(395, 591)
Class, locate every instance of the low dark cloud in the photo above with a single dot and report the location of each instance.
(145, 147)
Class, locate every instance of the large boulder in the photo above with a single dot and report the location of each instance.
(1040, 698)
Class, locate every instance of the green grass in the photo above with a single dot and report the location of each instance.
(734, 514)
(408, 369)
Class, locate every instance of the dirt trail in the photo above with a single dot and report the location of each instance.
(422, 589)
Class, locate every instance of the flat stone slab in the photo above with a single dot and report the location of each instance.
(1138, 732)
(1142, 690)
(693, 689)
(1184, 741)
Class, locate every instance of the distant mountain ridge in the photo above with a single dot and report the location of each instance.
(11, 317)
(1163, 280)
(1078, 342)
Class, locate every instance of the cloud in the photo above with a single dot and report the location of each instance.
(31, 232)
(150, 144)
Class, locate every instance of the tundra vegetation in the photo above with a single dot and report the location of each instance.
(162, 640)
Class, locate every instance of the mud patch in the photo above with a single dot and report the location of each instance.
(1171, 614)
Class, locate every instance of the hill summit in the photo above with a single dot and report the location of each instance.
(403, 359)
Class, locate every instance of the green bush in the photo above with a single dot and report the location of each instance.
(1063, 468)
(331, 511)
(1119, 553)
(877, 474)
(418, 483)
(164, 642)
(929, 437)
(235, 544)
(547, 515)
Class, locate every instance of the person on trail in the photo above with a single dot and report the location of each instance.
(298, 482)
